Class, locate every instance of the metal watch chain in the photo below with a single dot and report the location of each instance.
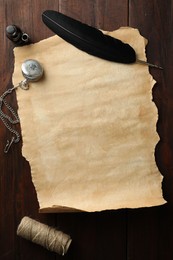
(32, 71)
(7, 120)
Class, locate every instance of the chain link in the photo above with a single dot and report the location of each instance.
(6, 119)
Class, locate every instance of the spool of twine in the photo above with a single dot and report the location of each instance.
(41, 234)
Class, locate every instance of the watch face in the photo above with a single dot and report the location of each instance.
(32, 70)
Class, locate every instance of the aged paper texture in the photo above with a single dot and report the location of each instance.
(89, 128)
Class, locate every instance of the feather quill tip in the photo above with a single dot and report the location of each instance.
(149, 64)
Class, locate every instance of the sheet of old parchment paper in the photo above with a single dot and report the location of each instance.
(89, 128)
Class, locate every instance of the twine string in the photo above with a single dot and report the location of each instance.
(41, 234)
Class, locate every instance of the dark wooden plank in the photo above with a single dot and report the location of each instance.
(150, 230)
(150, 233)
(111, 15)
(107, 15)
(83, 11)
(100, 235)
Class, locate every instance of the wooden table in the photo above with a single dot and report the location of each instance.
(128, 234)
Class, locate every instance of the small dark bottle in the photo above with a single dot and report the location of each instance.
(15, 34)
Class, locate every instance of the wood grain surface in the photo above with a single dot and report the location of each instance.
(129, 234)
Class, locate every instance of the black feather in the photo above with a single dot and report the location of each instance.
(89, 39)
